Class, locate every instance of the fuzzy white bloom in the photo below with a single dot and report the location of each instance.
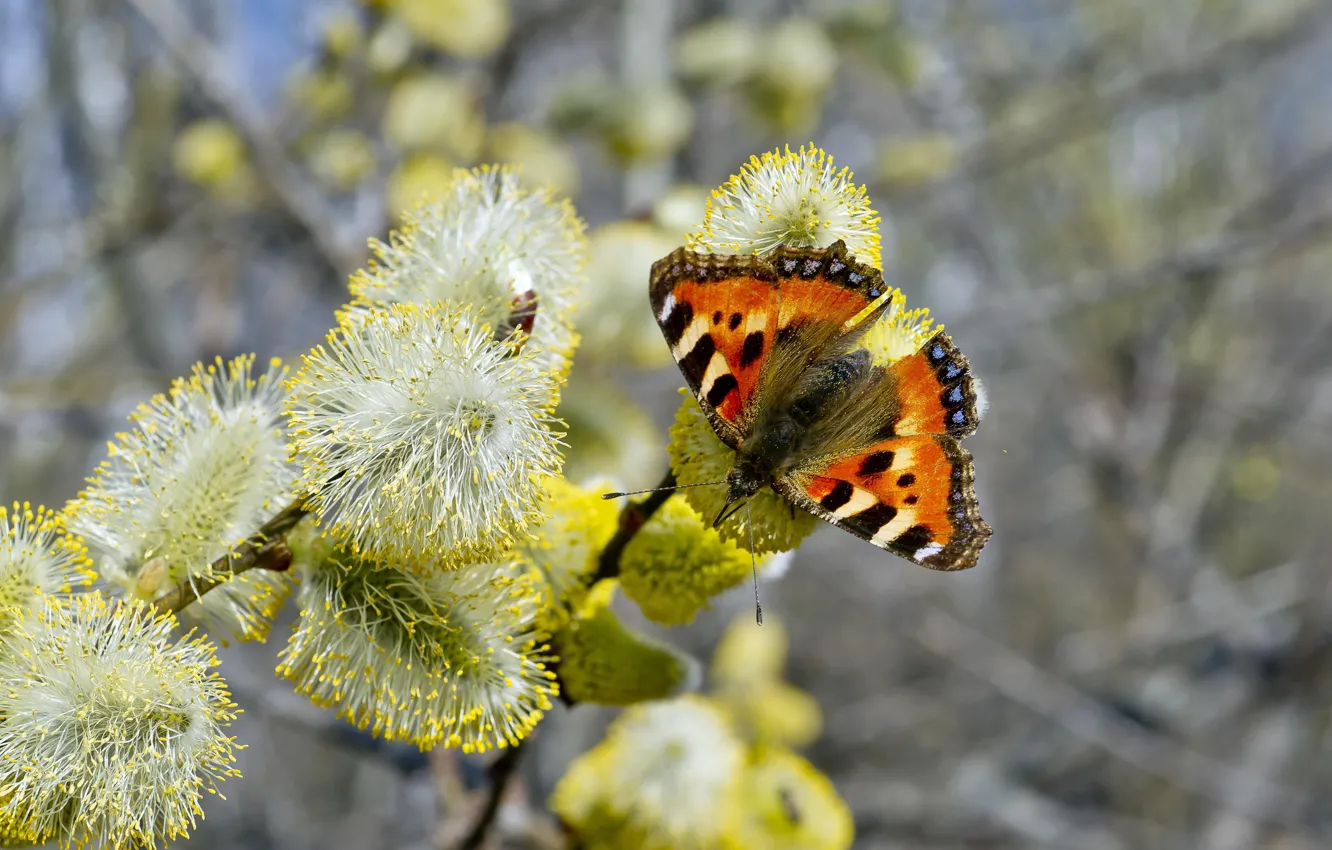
(37, 557)
(111, 728)
(452, 658)
(666, 778)
(485, 243)
(204, 467)
(899, 332)
(792, 199)
(421, 438)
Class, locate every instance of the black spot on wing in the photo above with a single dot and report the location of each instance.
(887, 431)
(872, 518)
(792, 329)
(911, 500)
(736, 319)
(717, 317)
(876, 463)
(676, 322)
(906, 480)
(752, 350)
(838, 496)
(914, 538)
(721, 388)
(695, 363)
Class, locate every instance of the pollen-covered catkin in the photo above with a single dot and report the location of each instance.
(485, 241)
(203, 467)
(421, 439)
(431, 657)
(794, 199)
(112, 726)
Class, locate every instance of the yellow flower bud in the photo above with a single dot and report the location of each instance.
(211, 154)
(614, 326)
(325, 94)
(470, 28)
(342, 33)
(648, 124)
(601, 661)
(434, 112)
(698, 456)
(789, 805)
(912, 162)
(415, 180)
(543, 158)
(747, 674)
(675, 564)
(667, 777)
(720, 52)
(342, 158)
(563, 547)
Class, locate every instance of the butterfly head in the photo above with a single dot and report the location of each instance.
(743, 481)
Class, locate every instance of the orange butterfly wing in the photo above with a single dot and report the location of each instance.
(913, 496)
(723, 316)
(909, 488)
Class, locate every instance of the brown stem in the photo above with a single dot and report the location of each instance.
(632, 518)
(267, 549)
(501, 771)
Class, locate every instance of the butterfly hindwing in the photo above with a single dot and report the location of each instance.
(913, 496)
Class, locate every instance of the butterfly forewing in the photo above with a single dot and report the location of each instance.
(745, 327)
(716, 313)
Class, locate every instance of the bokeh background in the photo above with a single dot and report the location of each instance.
(1121, 210)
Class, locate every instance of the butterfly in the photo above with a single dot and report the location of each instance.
(768, 346)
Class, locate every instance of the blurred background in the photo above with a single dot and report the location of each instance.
(1119, 208)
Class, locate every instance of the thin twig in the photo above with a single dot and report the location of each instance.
(267, 549)
(1083, 116)
(632, 518)
(501, 771)
(1012, 674)
(204, 66)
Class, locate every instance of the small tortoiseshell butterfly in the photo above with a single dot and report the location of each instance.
(768, 345)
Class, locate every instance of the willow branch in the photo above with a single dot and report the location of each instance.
(632, 518)
(501, 771)
(267, 549)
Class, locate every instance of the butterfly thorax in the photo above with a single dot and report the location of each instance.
(759, 458)
(779, 437)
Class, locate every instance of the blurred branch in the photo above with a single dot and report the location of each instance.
(1196, 617)
(139, 310)
(1020, 680)
(1086, 114)
(501, 771)
(1207, 257)
(201, 62)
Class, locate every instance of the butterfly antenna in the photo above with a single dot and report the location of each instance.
(660, 489)
(753, 562)
(726, 513)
